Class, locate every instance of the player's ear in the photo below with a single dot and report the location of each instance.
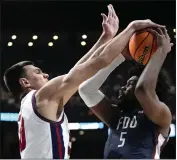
(24, 83)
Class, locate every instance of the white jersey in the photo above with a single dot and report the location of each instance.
(39, 137)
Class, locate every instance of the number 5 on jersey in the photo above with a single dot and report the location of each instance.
(122, 139)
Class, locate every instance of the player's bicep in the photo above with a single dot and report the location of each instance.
(105, 112)
(155, 110)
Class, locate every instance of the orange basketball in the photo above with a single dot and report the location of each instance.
(142, 46)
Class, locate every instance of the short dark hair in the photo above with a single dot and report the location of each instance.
(12, 76)
(164, 89)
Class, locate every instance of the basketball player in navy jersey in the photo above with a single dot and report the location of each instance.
(43, 126)
(140, 124)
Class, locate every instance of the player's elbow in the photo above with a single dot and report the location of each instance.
(161, 116)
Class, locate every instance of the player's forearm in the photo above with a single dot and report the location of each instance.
(148, 78)
(101, 58)
(101, 41)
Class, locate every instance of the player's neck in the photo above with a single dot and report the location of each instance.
(22, 95)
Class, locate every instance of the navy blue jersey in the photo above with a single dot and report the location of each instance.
(134, 136)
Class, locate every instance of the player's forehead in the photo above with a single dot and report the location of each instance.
(133, 78)
(30, 68)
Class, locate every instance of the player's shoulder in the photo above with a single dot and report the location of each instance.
(28, 98)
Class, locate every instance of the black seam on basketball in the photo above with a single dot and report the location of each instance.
(140, 44)
(151, 49)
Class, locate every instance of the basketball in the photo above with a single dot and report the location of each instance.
(142, 46)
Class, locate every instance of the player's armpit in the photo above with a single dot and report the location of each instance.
(49, 100)
(106, 113)
(155, 110)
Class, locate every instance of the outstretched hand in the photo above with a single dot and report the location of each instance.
(143, 24)
(110, 23)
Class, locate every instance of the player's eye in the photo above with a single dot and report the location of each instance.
(38, 71)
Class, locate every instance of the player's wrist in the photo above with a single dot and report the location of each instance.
(164, 50)
(131, 27)
(105, 37)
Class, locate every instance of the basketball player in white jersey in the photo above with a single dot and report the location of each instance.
(43, 126)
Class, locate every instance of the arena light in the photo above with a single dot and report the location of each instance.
(30, 44)
(84, 36)
(9, 44)
(73, 139)
(55, 37)
(92, 125)
(74, 126)
(50, 44)
(174, 30)
(81, 133)
(174, 36)
(13, 117)
(9, 117)
(14, 36)
(83, 43)
(35, 37)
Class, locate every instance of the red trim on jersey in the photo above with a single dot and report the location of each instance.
(22, 136)
(59, 142)
(69, 150)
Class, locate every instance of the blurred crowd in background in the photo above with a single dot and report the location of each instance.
(59, 28)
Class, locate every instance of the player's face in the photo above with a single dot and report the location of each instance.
(35, 76)
(127, 91)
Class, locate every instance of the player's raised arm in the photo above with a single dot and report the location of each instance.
(55, 91)
(145, 92)
(101, 59)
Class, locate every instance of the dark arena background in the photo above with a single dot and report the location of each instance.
(55, 35)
